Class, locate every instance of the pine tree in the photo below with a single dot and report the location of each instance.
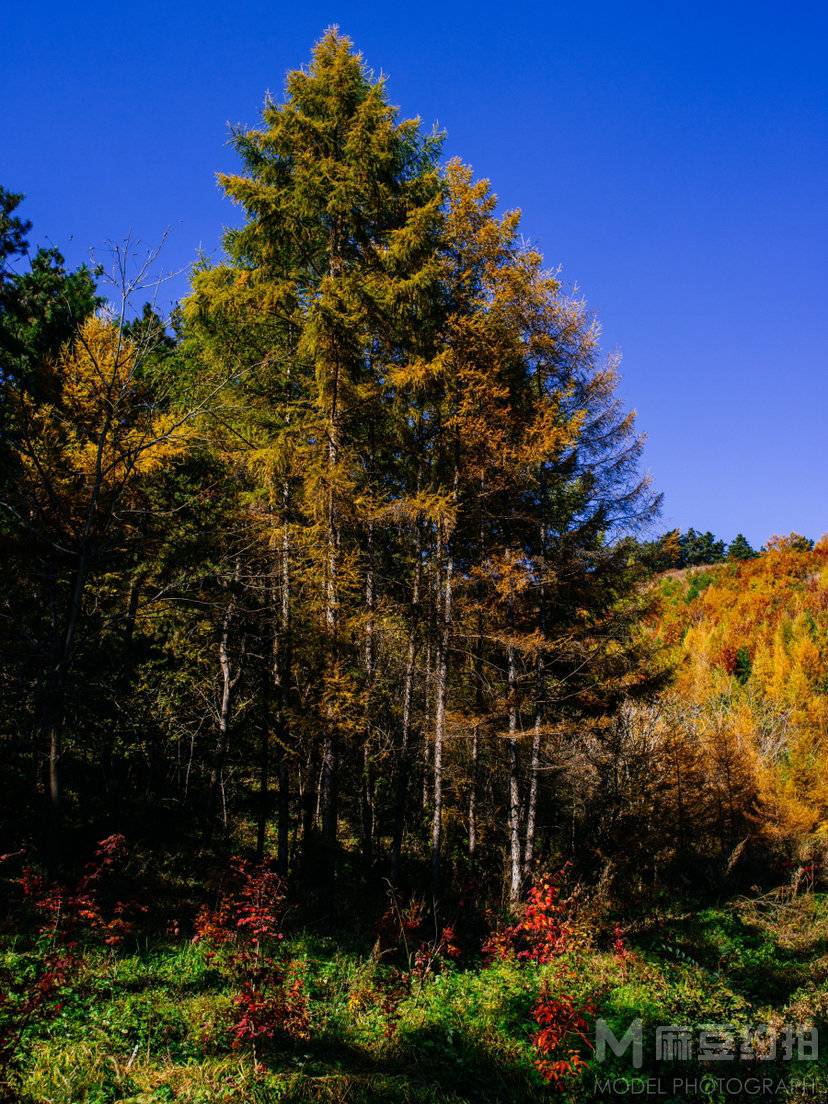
(740, 549)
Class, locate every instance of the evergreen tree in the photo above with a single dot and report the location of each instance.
(700, 548)
(740, 549)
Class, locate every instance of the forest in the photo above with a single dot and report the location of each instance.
(360, 740)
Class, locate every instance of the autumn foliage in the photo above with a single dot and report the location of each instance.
(542, 934)
(64, 917)
(242, 933)
(750, 642)
(562, 1030)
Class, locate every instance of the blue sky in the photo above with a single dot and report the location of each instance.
(671, 157)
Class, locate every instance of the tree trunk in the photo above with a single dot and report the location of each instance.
(478, 708)
(473, 793)
(264, 795)
(404, 765)
(428, 704)
(284, 814)
(515, 869)
(532, 800)
(328, 783)
(367, 795)
(229, 679)
(540, 684)
(443, 629)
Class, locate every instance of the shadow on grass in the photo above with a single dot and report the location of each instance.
(431, 1065)
(751, 958)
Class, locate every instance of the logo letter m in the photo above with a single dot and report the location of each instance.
(604, 1036)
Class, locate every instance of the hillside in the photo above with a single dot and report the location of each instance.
(749, 697)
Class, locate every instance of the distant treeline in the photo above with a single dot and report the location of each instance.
(693, 548)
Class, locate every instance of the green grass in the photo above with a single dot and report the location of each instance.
(150, 1023)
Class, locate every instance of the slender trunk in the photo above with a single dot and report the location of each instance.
(473, 793)
(428, 701)
(328, 796)
(404, 765)
(309, 796)
(328, 782)
(532, 800)
(534, 761)
(540, 683)
(283, 671)
(367, 795)
(264, 795)
(284, 815)
(478, 709)
(55, 728)
(328, 778)
(444, 624)
(515, 870)
(229, 679)
(220, 753)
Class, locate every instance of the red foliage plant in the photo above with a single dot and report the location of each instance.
(541, 934)
(249, 910)
(272, 1001)
(562, 1026)
(64, 915)
(431, 951)
(423, 951)
(405, 930)
(619, 946)
(243, 930)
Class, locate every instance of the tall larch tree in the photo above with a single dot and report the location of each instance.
(337, 193)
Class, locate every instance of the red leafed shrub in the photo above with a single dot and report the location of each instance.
(562, 1027)
(412, 934)
(249, 910)
(431, 951)
(541, 933)
(63, 915)
(66, 913)
(408, 928)
(619, 947)
(271, 1002)
(243, 932)
(399, 924)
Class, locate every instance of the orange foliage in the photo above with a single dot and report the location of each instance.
(750, 641)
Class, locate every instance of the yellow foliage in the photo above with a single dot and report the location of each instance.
(756, 639)
(100, 432)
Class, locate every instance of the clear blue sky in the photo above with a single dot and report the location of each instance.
(672, 157)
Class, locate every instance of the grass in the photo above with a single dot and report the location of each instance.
(151, 1022)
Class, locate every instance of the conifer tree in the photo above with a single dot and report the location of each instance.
(740, 548)
(337, 194)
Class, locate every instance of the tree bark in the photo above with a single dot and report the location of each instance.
(515, 868)
(444, 624)
(264, 795)
(229, 680)
(404, 764)
(473, 793)
(532, 799)
(367, 795)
